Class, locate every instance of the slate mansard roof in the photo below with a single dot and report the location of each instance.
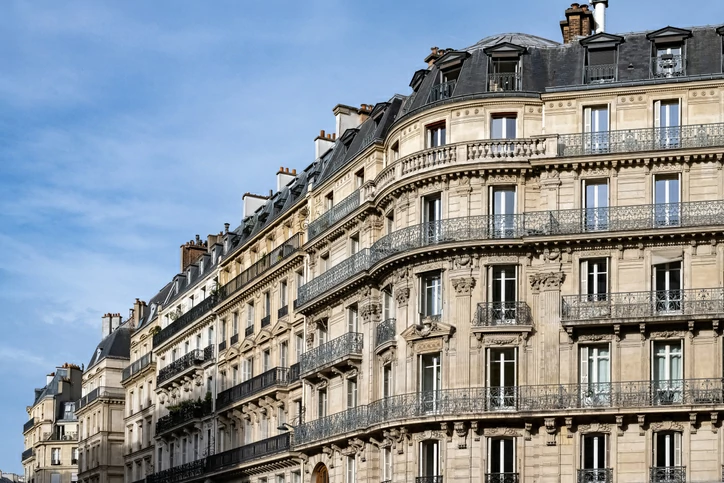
(116, 346)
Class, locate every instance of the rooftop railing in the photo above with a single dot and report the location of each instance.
(183, 415)
(657, 303)
(344, 346)
(285, 250)
(492, 314)
(600, 74)
(334, 214)
(517, 399)
(178, 473)
(442, 91)
(385, 331)
(193, 358)
(265, 380)
(504, 82)
(100, 392)
(637, 140)
(137, 366)
(28, 425)
(248, 452)
(667, 66)
(185, 320)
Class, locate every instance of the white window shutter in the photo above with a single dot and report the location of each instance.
(587, 119)
(584, 365)
(657, 114)
(677, 449)
(584, 277)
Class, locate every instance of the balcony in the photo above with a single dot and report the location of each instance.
(333, 215)
(494, 314)
(28, 425)
(283, 312)
(27, 454)
(385, 331)
(339, 273)
(617, 396)
(625, 218)
(192, 411)
(249, 331)
(178, 473)
(600, 475)
(192, 359)
(185, 320)
(278, 376)
(502, 477)
(334, 352)
(666, 66)
(504, 82)
(235, 338)
(636, 306)
(294, 373)
(668, 474)
(428, 479)
(282, 252)
(441, 91)
(638, 140)
(265, 321)
(222, 346)
(600, 74)
(248, 452)
(100, 392)
(137, 367)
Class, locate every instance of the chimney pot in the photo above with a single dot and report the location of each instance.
(226, 228)
(321, 133)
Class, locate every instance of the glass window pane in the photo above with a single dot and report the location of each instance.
(496, 128)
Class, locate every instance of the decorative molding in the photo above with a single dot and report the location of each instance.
(595, 428)
(619, 426)
(402, 296)
(594, 337)
(463, 285)
(371, 312)
(550, 425)
(668, 334)
(462, 262)
(641, 419)
(488, 432)
(666, 425)
(547, 281)
(461, 429)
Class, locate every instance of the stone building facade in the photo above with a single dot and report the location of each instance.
(514, 273)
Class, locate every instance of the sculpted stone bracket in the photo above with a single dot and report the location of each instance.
(461, 429)
(495, 338)
(546, 281)
(463, 285)
(550, 425)
(428, 335)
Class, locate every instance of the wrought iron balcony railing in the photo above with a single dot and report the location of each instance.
(283, 251)
(137, 366)
(441, 91)
(599, 475)
(601, 74)
(630, 305)
(283, 312)
(502, 477)
(265, 321)
(668, 474)
(492, 314)
(249, 331)
(519, 399)
(28, 425)
(179, 473)
(334, 214)
(428, 479)
(274, 377)
(646, 139)
(100, 392)
(344, 346)
(183, 415)
(185, 320)
(209, 353)
(293, 373)
(668, 65)
(193, 358)
(355, 264)
(625, 218)
(504, 82)
(27, 454)
(222, 346)
(235, 338)
(385, 331)
(248, 452)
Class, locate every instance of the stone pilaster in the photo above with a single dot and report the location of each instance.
(462, 316)
(546, 287)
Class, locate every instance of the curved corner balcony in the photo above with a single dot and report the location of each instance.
(640, 140)
(247, 453)
(544, 400)
(28, 425)
(336, 352)
(638, 307)
(385, 331)
(333, 215)
(27, 454)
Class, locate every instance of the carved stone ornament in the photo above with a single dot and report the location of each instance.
(388, 356)
(595, 428)
(594, 337)
(463, 285)
(371, 312)
(402, 296)
(462, 262)
(667, 426)
(461, 429)
(489, 340)
(398, 437)
(668, 334)
(550, 424)
(490, 432)
(528, 427)
(619, 425)
(547, 281)
(430, 434)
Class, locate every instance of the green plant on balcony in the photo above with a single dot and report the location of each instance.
(175, 314)
(155, 330)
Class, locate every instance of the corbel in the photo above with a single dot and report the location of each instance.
(715, 327)
(714, 415)
(527, 428)
(642, 330)
(474, 427)
(642, 421)
(569, 427)
(447, 428)
(691, 330)
(692, 423)
(619, 425)
(550, 424)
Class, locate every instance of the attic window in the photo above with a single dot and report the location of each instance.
(449, 66)
(668, 52)
(504, 67)
(601, 58)
(720, 31)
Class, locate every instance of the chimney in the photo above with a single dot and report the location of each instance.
(49, 378)
(115, 321)
(578, 23)
(284, 177)
(106, 326)
(252, 203)
(191, 251)
(599, 14)
(347, 117)
(139, 311)
(435, 53)
(322, 144)
(364, 112)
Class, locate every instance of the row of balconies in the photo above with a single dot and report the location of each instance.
(657, 474)
(516, 226)
(194, 358)
(137, 366)
(279, 376)
(629, 395)
(184, 415)
(100, 392)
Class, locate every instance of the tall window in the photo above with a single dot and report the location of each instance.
(388, 303)
(667, 455)
(247, 367)
(596, 128)
(503, 207)
(299, 345)
(354, 244)
(250, 314)
(352, 319)
(667, 121)
(431, 291)
(436, 135)
(387, 464)
(501, 457)
(667, 198)
(351, 469)
(667, 371)
(387, 380)
(503, 126)
(234, 375)
(430, 377)
(267, 304)
(359, 178)
(322, 333)
(600, 66)
(594, 457)
(266, 360)
(594, 282)
(321, 403)
(284, 354)
(235, 323)
(503, 295)
(55, 456)
(283, 292)
(595, 375)
(595, 201)
(669, 61)
(431, 217)
(667, 283)
(329, 200)
(352, 393)
(390, 222)
(429, 460)
(502, 378)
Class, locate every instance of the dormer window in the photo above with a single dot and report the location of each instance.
(720, 31)
(504, 67)
(449, 66)
(601, 58)
(668, 57)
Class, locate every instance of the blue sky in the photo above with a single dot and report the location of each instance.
(126, 128)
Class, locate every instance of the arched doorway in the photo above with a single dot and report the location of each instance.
(320, 474)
